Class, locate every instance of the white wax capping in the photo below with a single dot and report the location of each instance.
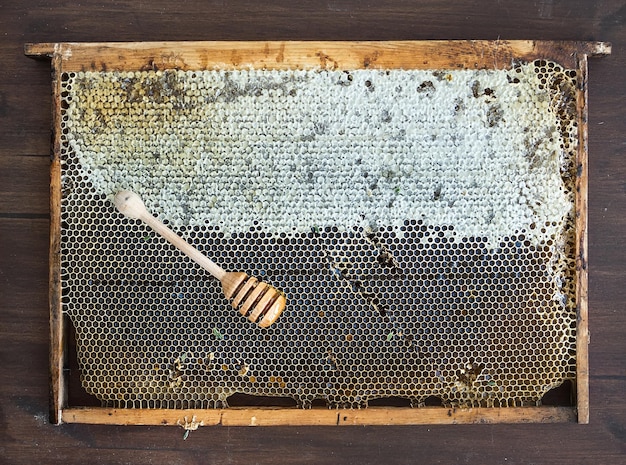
(296, 150)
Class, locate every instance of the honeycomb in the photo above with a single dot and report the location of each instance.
(420, 223)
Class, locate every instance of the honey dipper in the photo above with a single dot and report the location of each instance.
(258, 301)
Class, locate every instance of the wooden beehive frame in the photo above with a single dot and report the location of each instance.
(68, 57)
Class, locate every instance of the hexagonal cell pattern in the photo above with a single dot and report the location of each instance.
(419, 222)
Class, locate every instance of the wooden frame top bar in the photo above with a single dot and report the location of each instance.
(438, 54)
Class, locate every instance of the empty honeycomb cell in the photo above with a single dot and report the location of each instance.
(423, 238)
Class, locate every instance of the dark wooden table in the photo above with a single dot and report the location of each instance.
(25, 117)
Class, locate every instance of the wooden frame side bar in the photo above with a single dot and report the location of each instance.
(582, 328)
(58, 383)
(269, 416)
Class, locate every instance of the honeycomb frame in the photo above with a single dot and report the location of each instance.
(476, 389)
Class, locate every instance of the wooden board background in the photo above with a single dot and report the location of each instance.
(25, 117)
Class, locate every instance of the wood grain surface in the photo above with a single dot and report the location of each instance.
(428, 54)
(25, 120)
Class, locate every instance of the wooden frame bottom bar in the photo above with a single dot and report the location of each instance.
(268, 416)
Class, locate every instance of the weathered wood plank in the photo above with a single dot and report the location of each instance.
(58, 331)
(582, 328)
(268, 416)
(474, 54)
(20, 179)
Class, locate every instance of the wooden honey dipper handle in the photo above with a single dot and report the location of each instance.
(260, 302)
(131, 206)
